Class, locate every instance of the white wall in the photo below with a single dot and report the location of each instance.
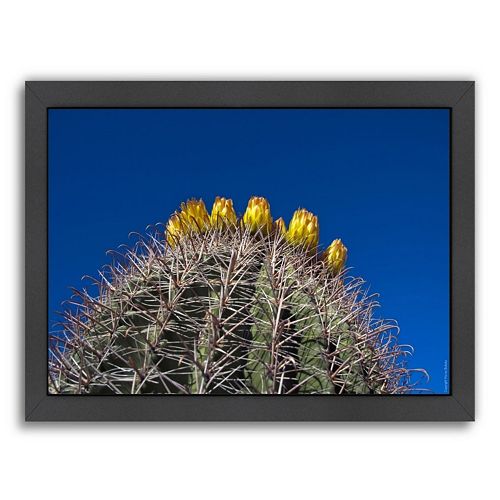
(257, 39)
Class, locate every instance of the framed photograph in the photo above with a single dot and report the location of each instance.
(250, 251)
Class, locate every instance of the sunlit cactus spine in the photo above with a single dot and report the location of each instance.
(216, 304)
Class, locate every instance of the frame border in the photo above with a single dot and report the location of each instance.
(458, 96)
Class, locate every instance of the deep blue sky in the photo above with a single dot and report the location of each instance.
(378, 179)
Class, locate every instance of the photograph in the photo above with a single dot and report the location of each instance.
(249, 251)
(251, 245)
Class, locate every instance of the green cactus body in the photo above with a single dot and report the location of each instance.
(226, 311)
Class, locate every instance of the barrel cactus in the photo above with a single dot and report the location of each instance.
(216, 304)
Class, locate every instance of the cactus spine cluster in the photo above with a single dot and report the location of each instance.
(218, 304)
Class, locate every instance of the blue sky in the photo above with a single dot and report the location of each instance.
(377, 178)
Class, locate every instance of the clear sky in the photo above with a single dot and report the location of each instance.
(378, 179)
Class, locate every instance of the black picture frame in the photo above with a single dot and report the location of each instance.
(457, 96)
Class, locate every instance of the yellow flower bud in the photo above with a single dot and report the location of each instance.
(193, 217)
(336, 256)
(280, 226)
(175, 229)
(222, 212)
(258, 215)
(303, 229)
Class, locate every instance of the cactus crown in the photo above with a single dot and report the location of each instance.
(228, 306)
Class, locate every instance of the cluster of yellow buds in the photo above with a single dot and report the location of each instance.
(303, 229)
